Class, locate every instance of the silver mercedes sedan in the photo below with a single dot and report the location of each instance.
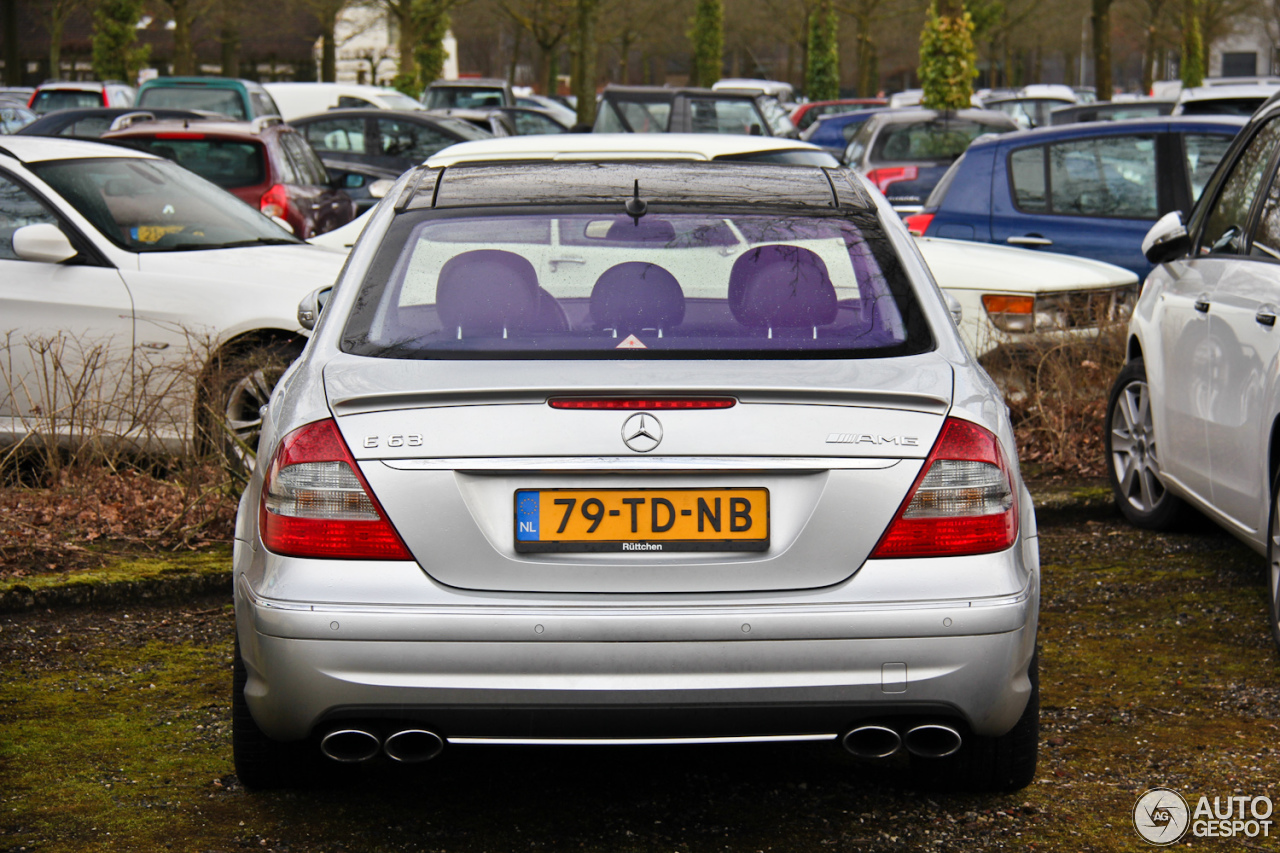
(636, 453)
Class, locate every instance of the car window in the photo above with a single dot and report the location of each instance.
(263, 105)
(1222, 107)
(712, 115)
(305, 162)
(345, 135)
(923, 141)
(91, 126)
(352, 102)
(145, 205)
(225, 101)
(1105, 176)
(1229, 213)
(529, 123)
(779, 120)
(229, 163)
(857, 148)
(680, 285)
(401, 138)
(636, 116)
(18, 208)
(1026, 177)
(445, 97)
(1266, 238)
(1203, 152)
(48, 100)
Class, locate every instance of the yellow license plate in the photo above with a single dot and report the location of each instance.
(642, 520)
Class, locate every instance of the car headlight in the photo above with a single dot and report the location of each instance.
(1080, 309)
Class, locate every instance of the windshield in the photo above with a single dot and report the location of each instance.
(48, 100)
(229, 163)
(463, 97)
(225, 101)
(145, 205)
(924, 141)
(607, 286)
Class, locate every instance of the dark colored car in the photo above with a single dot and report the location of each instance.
(905, 152)
(1110, 111)
(659, 109)
(806, 114)
(364, 183)
(388, 139)
(91, 123)
(1083, 189)
(265, 163)
(834, 132)
(237, 99)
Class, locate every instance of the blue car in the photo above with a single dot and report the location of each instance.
(1090, 189)
(833, 132)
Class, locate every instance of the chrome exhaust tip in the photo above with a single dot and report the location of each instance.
(411, 746)
(932, 741)
(872, 741)
(350, 746)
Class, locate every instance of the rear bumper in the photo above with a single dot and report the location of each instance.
(689, 671)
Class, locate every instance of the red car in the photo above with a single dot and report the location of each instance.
(806, 114)
(265, 163)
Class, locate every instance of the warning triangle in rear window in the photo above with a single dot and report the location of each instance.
(631, 342)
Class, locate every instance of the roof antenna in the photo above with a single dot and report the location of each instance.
(636, 206)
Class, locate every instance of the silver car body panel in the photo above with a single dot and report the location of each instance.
(470, 623)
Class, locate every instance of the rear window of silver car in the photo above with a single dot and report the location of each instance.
(603, 285)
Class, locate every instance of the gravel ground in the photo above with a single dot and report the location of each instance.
(1156, 667)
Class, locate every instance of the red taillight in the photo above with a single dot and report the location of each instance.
(104, 97)
(883, 177)
(179, 135)
(275, 201)
(315, 503)
(918, 223)
(666, 403)
(962, 503)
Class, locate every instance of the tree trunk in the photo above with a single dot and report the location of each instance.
(12, 59)
(329, 51)
(584, 78)
(184, 60)
(55, 48)
(1101, 22)
(515, 55)
(229, 38)
(408, 36)
(553, 69)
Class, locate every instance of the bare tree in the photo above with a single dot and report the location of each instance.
(56, 13)
(185, 13)
(548, 22)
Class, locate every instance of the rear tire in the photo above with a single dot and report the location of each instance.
(1003, 763)
(261, 763)
(1133, 461)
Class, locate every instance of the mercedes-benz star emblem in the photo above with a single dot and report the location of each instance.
(642, 432)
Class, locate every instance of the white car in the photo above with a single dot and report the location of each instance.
(139, 300)
(303, 99)
(1007, 295)
(1194, 415)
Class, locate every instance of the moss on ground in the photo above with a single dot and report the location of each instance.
(141, 567)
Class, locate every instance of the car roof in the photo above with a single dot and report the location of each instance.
(620, 146)
(82, 85)
(1094, 128)
(208, 127)
(597, 182)
(1226, 92)
(657, 92)
(469, 82)
(903, 115)
(424, 116)
(39, 149)
(211, 82)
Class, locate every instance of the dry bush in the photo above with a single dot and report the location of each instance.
(101, 452)
(1057, 394)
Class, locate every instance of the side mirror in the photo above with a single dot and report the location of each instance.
(380, 187)
(954, 308)
(311, 305)
(1167, 239)
(44, 243)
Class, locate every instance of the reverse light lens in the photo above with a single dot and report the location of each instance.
(963, 502)
(315, 503)
(649, 403)
(882, 178)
